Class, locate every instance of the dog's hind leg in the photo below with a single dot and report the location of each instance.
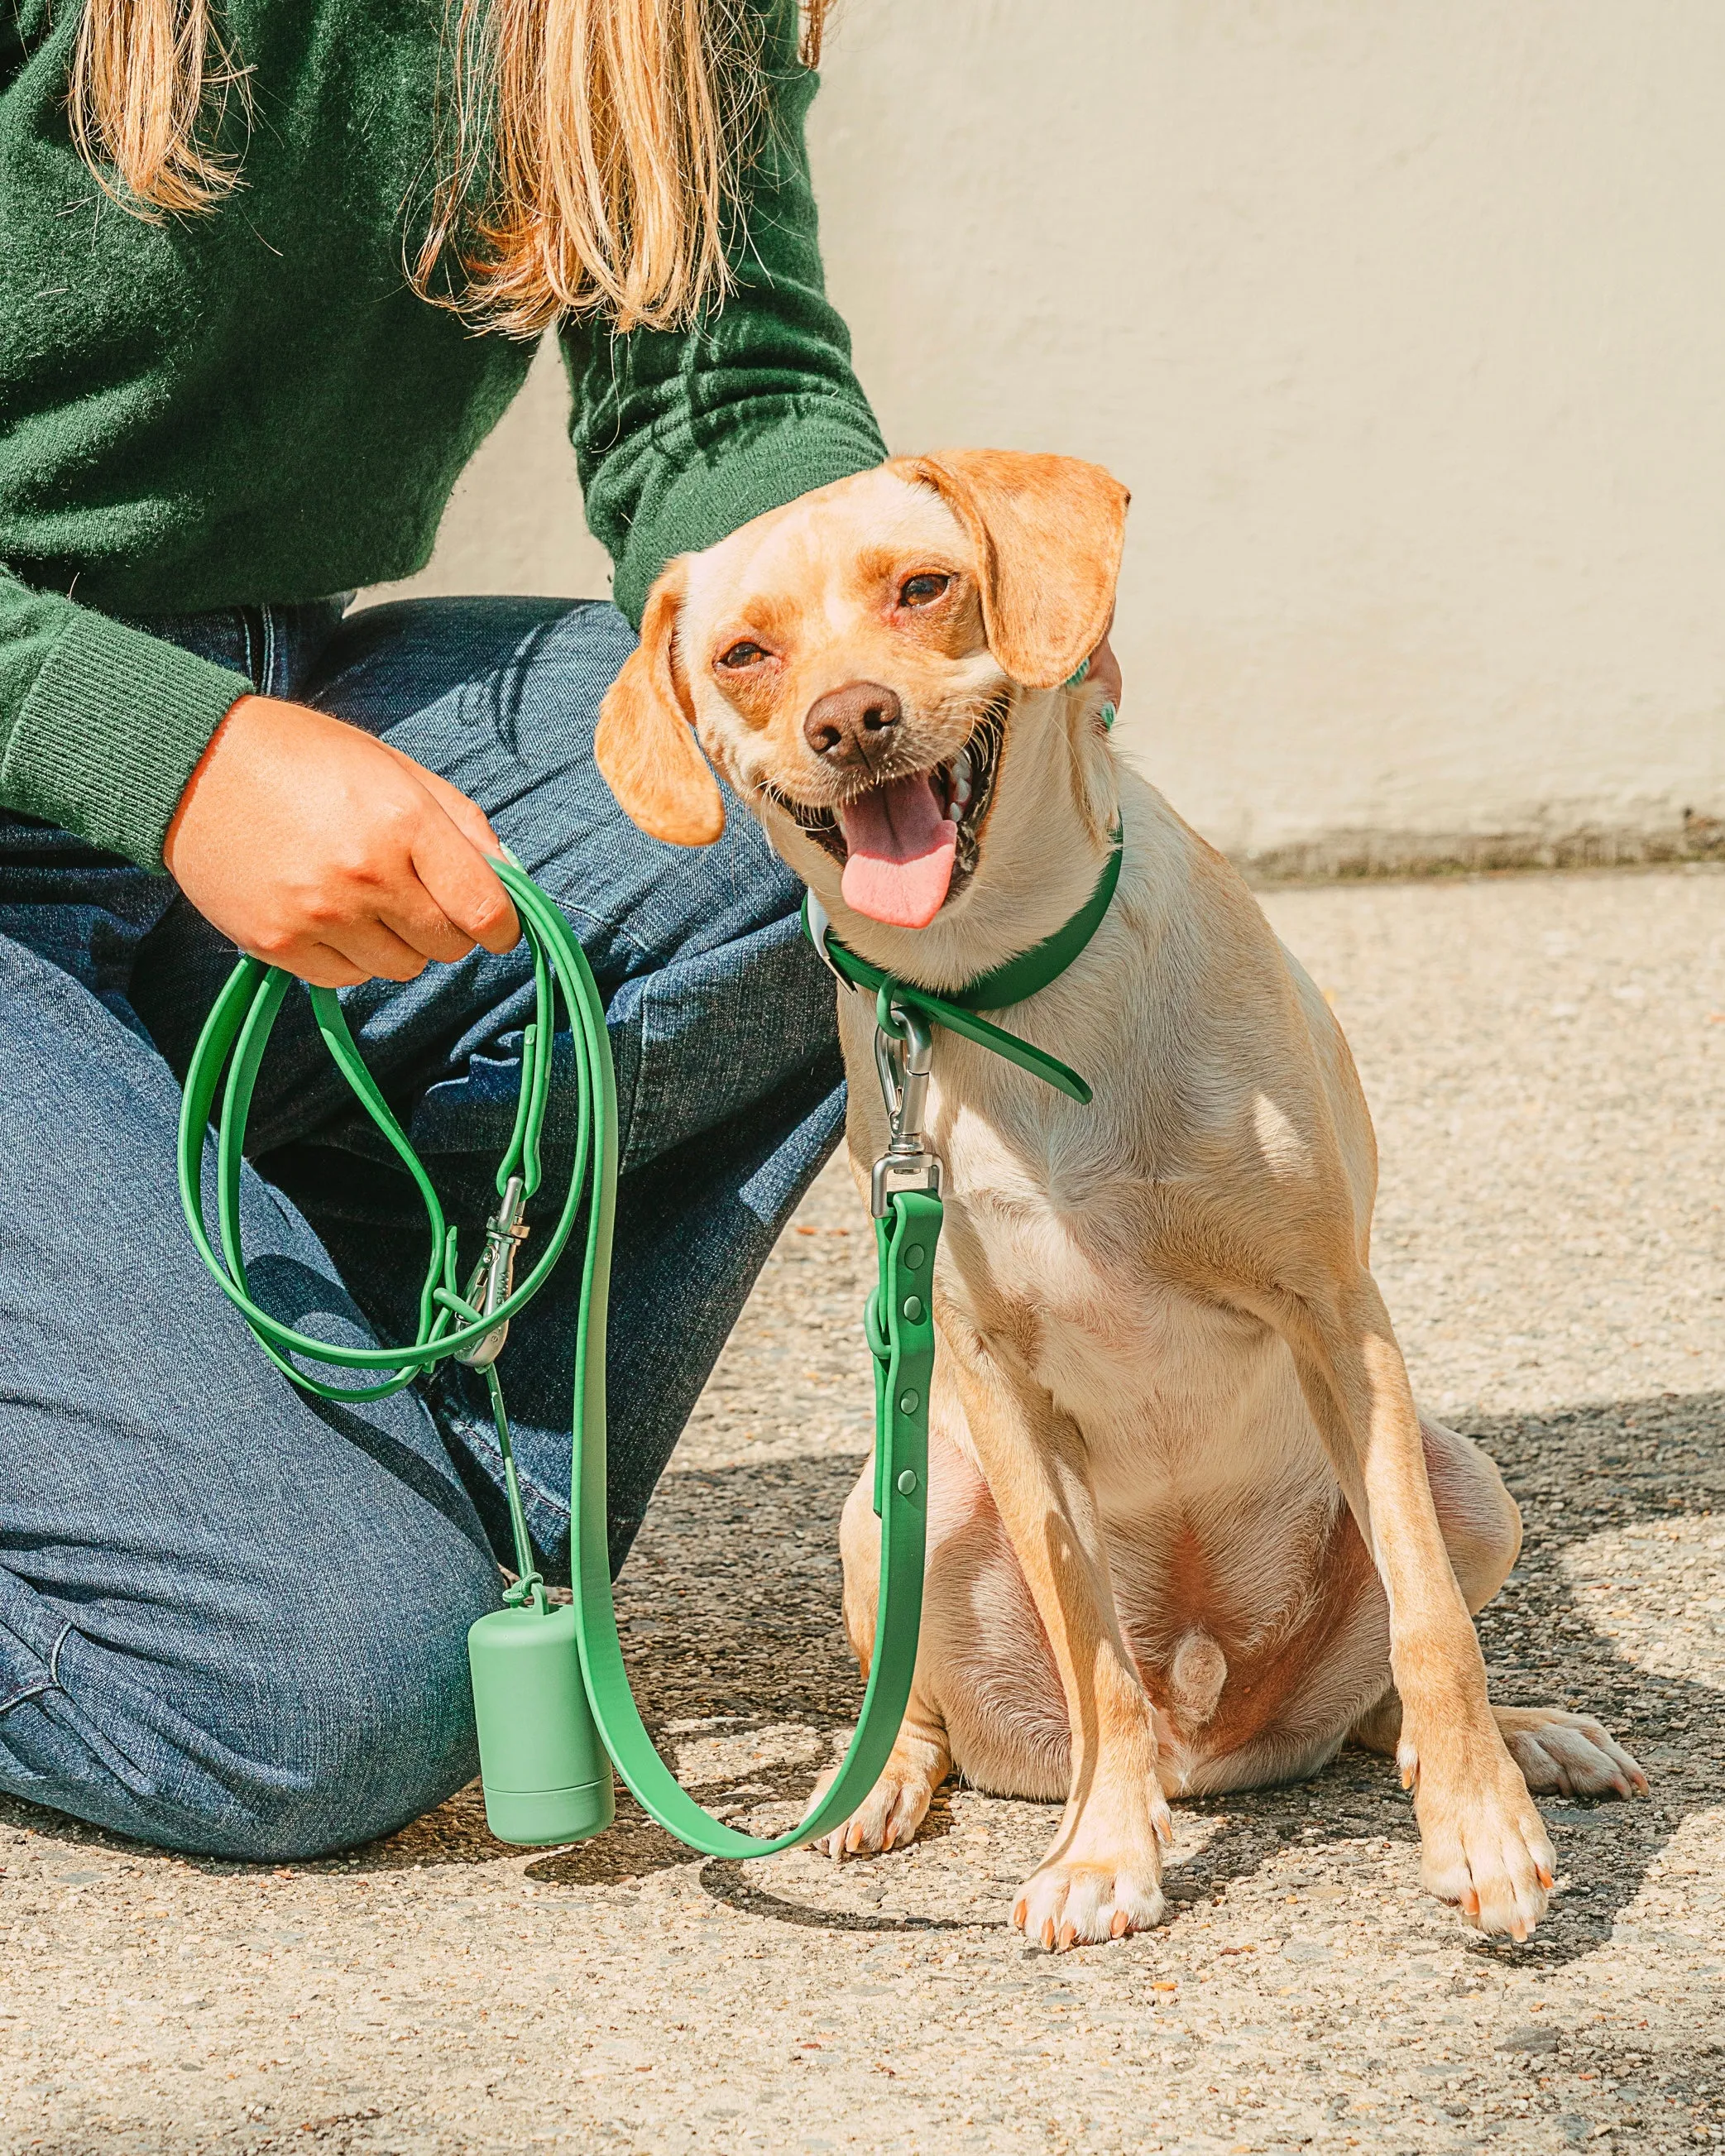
(1559, 1754)
(921, 1759)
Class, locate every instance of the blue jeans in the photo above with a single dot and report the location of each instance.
(233, 1617)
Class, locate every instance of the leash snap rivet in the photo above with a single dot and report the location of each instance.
(913, 1308)
(908, 1402)
(907, 1482)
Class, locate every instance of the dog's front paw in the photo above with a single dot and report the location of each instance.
(1483, 1845)
(889, 1816)
(1082, 1904)
(1568, 1755)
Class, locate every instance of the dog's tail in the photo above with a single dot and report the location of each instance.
(1197, 1671)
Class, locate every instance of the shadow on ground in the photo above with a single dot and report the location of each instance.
(730, 1613)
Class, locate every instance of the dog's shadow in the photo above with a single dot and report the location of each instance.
(1617, 1467)
(712, 1659)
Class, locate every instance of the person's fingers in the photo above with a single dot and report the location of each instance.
(1104, 672)
(412, 913)
(317, 964)
(460, 880)
(378, 952)
(466, 888)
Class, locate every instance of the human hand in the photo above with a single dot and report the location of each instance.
(323, 850)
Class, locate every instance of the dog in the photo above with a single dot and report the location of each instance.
(1187, 1530)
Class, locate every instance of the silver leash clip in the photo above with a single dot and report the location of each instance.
(492, 1280)
(904, 1066)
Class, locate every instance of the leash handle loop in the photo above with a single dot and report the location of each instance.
(899, 1327)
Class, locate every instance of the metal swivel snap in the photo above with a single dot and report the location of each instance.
(904, 1057)
(492, 1280)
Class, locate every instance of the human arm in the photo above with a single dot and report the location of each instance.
(102, 725)
(306, 841)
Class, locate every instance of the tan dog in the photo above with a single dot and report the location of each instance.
(1187, 1530)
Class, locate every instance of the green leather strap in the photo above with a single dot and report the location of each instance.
(875, 980)
(901, 1330)
(1017, 979)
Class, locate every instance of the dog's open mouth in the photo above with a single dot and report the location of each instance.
(906, 842)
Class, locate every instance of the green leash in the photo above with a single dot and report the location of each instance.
(550, 1685)
(551, 1692)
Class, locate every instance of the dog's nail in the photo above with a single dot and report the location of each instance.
(1543, 1875)
(1471, 1903)
(1048, 1933)
(1069, 1936)
(1020, 1911)
(1116, 1930)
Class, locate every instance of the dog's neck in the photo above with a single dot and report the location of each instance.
(1044, 844)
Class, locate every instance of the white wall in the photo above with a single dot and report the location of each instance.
(1405, 321)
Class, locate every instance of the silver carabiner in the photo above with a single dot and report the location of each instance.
(492, 1280)
(903, 1065)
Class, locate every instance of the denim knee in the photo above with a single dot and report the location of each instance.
(355, 1719)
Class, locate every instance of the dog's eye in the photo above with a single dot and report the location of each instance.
(742, 654)
(924, 589)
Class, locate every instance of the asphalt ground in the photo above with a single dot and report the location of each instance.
(1545, 1058)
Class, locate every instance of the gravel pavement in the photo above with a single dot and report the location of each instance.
(1545, 1058)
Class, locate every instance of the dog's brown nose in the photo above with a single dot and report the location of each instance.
(849, 725)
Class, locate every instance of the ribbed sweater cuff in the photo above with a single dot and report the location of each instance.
(110, 731)
(719, 491)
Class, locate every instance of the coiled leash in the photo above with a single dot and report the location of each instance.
(551, 1692)
(549, 1682)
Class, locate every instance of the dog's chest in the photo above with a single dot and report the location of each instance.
(1058, 1276)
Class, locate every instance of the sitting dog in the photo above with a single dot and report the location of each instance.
(1187, 1529)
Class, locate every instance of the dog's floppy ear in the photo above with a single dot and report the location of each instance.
(1048, 533)
(645, 745)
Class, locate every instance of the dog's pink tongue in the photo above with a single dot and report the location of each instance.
(901, 847)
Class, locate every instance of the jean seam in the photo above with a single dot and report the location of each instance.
(49, 1682)
(647, 1079)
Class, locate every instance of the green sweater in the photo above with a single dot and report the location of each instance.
(252, 405)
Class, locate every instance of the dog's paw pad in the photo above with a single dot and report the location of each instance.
(1067, 1905)
(887, 1817)
(1570, 1755)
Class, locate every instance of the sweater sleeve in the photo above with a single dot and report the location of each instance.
(101, 725)
(682, 437)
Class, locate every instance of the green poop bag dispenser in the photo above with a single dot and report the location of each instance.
(546, 1775)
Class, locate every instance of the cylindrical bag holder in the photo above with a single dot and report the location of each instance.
(547, 1777)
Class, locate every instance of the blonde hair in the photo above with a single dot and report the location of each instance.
(593, 148)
